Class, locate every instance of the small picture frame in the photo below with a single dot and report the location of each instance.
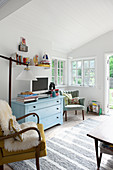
(22, 46)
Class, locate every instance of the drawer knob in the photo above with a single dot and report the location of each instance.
(57, 108)
(57, 117)
(57, 101)
(33, 115)
(34, 106)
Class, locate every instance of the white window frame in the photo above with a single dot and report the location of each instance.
(83, 71)
(56, 71)
(76, 70)
(89, 68)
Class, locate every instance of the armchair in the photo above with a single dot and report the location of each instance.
(68, 106)
(32, 146)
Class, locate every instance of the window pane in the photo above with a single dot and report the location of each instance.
(92, 81)
(79, 64)
(53, 63)
(58, 64)
(73, 80)
(79, 72)
(74, 64)
(53, 79)
(74, 73)
(53, 72)
(86, 64)
(86, 72)
(86, 81)
(79, 81)
(92, 73)
(61, 72)
(58, 72)
(92, 63)
(62, 64)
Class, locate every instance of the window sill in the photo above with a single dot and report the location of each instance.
(57, 86)
(81, 86)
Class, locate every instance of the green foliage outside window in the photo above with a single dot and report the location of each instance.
(53, 64)
(61, 64)
(111, 66)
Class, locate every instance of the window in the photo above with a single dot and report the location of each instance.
(89, 72)
(77, 72)
(58, 71)
(83, 72)
(53, 71)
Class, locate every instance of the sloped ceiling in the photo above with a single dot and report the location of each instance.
(67, 24)
(9, 6)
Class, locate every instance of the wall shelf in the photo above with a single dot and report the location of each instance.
(43, 65)
(32, 66)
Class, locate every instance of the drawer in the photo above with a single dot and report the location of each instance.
(41, 105)
(31, 118)
(47, 112)
(51, 121)
(33, 107)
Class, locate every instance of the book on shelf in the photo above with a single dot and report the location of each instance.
(27, 96)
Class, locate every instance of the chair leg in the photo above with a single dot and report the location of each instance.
(65, 113)
(37, 157)
(83, 114)
(1, 167)
(75, 112)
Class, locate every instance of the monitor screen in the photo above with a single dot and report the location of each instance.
(41, 84)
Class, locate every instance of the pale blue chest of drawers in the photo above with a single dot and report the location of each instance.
(50, 111)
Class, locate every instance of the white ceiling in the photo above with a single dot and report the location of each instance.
(9, 6)
(67, 24)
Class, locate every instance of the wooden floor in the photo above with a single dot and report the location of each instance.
(71, 121)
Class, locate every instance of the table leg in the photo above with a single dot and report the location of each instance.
(97, 154)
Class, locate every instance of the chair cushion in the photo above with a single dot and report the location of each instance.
(67, 98)
(75, 93)
(43, 145)
(74, 100)
(5, 116)
(31, 139)
(14, 127)
(74, 107)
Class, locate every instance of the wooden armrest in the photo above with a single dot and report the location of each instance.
(22, 131)
(29, 115)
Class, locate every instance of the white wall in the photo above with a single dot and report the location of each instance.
(10, 35)
(98, 47)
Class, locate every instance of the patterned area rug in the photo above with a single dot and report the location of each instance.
(69, 150)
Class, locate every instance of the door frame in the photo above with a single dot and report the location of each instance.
(106, 95)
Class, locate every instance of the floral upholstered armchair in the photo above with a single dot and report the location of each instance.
(72, 101)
